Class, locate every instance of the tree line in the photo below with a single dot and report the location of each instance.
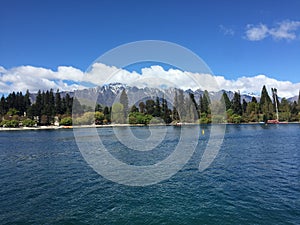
(17, 109)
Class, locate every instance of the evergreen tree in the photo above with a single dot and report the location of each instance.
(194, 108)
(180, 104)
(226, 100)
(27, 102)
(165, 112)
(68, 104)
(3, 106)
(106, 113)
(58, 103)
(157, 109)
(142, 107)
(99, 108)
(175, 114)
(294, 111)
(134, 109)
(204, 103)
(236, 105)
(285, 110)
(264, 98)
(150, 105)
(253, 99)
(265, 104)
(124, 102)
(37, 110)
(244, 106)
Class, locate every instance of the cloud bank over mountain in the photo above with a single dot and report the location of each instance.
(67, 78)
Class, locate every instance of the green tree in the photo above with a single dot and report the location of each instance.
(67, 121)
(265, 104)
(175, 114)
(157, 109)
(58, 103)
(236, 105)
(285, 110)
(226, 100)
(204, 104)
(180, 107)
(28, 123)
(165, 112)
(142, 107)
(107, 115)
(99, 118)
(134, 109)
(150, 106)
(117, 114)
(3, 105)
(244, 106)
(99, 108)
(252, 111)
(124, 102)
(139, 118)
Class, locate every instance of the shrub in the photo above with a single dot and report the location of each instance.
(10, 123)
(67, 121)
(28, 123)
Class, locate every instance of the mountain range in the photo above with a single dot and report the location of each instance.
(108, 94)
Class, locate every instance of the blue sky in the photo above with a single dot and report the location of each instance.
(50, 34)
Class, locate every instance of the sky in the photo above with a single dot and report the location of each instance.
(50, 44)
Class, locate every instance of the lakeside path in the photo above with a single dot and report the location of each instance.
(70, 127)
(118, 125)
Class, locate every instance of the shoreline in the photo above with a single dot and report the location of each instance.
(124, 125)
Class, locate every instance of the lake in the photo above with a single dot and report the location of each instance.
(254, 179)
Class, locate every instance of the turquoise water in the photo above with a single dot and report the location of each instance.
(255, 179)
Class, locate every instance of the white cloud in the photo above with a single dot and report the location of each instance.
(256, 33)
(226, 30)
(68, 79)
(285, 30)
(34, 78)
(254, 85)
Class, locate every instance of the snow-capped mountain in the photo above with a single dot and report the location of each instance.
(108, 94)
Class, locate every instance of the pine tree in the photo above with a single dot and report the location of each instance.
(58, 103)
(264, 97)
(157, 109)
(142, 107)
(204, 102)
(244, 106)
(134, 109)
(150, 105)
(68, 104)
(265, 104)
(253, 99)
(175, 114)
(124, 102)
(194, 107)
(226, 100)
(3, 106)
(27, 102)
(236, 105)
(165, 112)
(38, 105)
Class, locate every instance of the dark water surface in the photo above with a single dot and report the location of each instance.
(255, 179)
